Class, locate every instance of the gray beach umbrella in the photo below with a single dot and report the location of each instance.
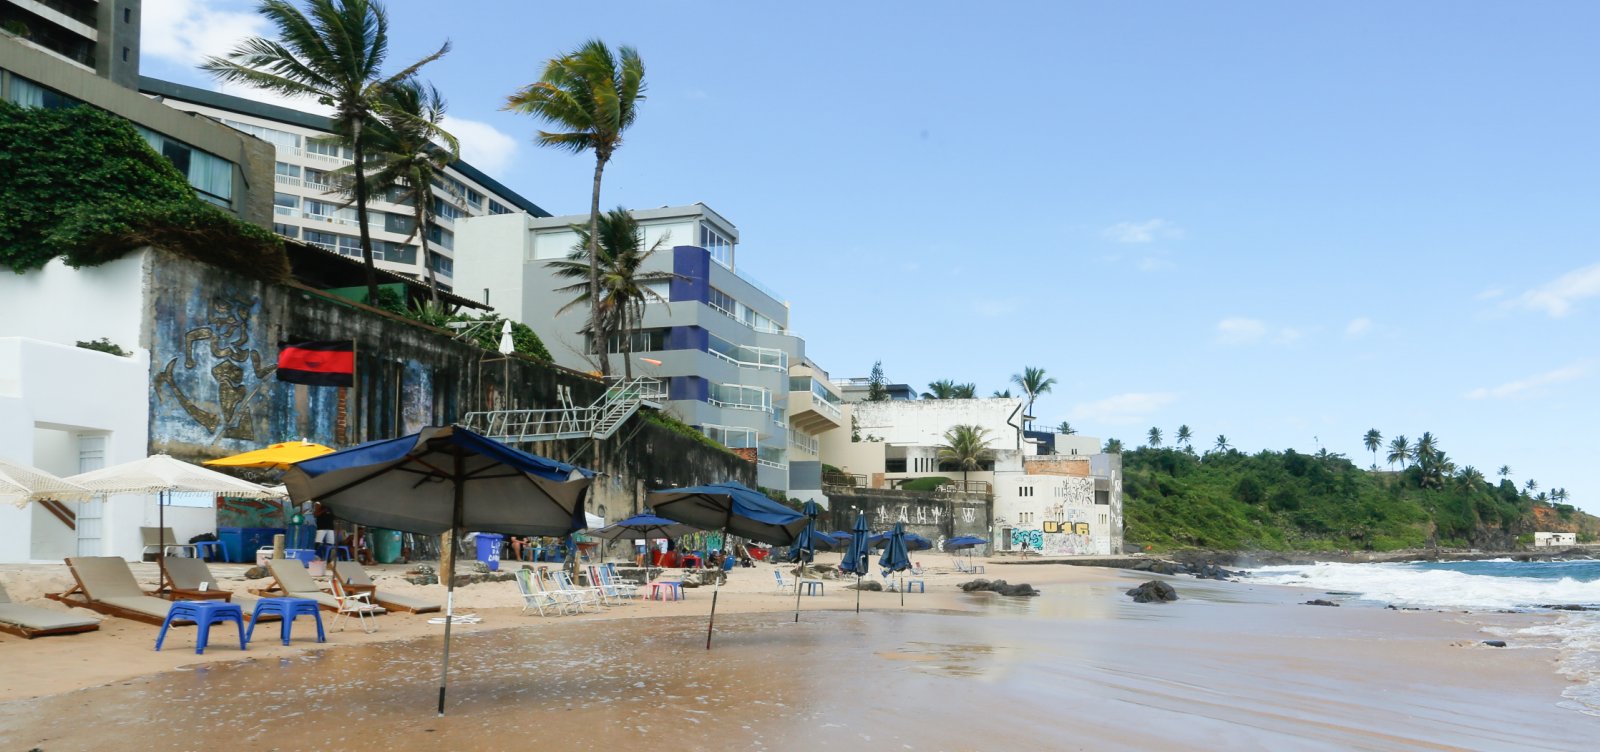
(445, 479)
(855, 556)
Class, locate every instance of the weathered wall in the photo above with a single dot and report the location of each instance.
(934, 518)
(213, 339)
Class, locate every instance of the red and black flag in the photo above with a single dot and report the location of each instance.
(318, 363)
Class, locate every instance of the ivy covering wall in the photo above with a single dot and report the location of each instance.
(82, 185)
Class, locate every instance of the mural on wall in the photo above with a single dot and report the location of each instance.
(222, 373)
(235, 512)
(416, 398)
(1034, 539)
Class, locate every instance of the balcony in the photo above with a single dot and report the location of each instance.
(812, 408)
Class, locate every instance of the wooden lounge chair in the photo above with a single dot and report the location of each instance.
(31, 622)
(106, 585)
(356, 580)
(183, 583)
(292, 580)
(155, 539)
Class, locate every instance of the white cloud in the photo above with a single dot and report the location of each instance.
(188, 31)
(1240, 331)
(1131, 407)
(1521, 387)
(1147, 231)
(1358, 327)
(1558, 296)
(482, 145)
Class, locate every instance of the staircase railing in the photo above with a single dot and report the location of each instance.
(598, 420)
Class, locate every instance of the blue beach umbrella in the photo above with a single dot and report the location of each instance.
(805, 549)
(913, 541)
(895, 557)
(967, 542)
(734, 508)
(646, 526)
(445, 478)
(855, 556)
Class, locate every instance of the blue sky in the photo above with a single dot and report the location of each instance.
(1286, 223)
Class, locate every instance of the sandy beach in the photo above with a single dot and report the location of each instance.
(1228, 666)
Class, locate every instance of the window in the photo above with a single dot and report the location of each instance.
(398, 194)
(644, 340)
(718, 245)
(325, 240)
(328, 147)
(1102, 497)
(740, 397)
(349, 245)
(495, 207)
(286, 170)
(286, 205)
(210, 175)
(398, 223)
(124, 54)
(443, 264)
(446, 209)
(894, 465)
(721, 301)
(474, 198)
(288, 231)
(283, 139)
(30, 94)
(731, 437)
(441, 237)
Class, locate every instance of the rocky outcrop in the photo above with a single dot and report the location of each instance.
(1154, 591)
(999, 586)
(1203, 570)
(1320, 602)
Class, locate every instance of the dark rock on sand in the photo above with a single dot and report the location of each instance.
(867, 585)
(1569, 607)
(1495, 643)
(256, 573)
(999, 586)
(1154, 591)
(1320, 602)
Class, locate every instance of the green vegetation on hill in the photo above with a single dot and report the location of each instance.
(1286, 500)
(82, 184)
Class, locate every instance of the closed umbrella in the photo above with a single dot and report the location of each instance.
(855, 556)
(446, 479)
(162, 475)
(895, 558)
(734, 508)
(804, 549)
(20, 484)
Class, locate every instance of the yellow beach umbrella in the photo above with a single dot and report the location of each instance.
(277, 456)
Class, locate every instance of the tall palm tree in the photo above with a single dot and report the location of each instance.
(1560, 494)
(1542, 497)
(406, 154)
(967, 447)
(1113, 446)
(941, 389)
(1505, 471)
(1399, 451)
(590, 95)
(1373, 440)
(1469, 478)
(968, 390)
(1033, 383)
(1002, 393)
(1155, 437)
(334, 55)
(1222, 443)
(1529, 487)
(624, 286)
(1066, 428)
(1426, 450)
(1185, 438)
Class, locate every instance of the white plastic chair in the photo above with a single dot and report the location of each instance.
(359, 605)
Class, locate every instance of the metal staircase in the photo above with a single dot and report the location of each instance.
(599, 420)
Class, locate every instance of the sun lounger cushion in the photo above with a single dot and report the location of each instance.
(38, 619)
(106, 577)
(148, 605)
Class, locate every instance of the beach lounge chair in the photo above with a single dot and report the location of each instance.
(31, 622)
(183, 583)
(106, 585)
(156, 539)
(583, 595)
(534, 595)
(611, 590)
(356, 580)
(292, 579)
(359, 605)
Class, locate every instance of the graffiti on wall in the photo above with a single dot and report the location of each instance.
(910, 514)
(1033, 538)
(219, 374)
(416, 398)
(1068, 535)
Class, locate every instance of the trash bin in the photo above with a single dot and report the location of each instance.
(489, 550)
(386, 545)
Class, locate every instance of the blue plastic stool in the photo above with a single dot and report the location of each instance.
(918, 584)
(288, 609)
(814, 587)
(333, 553)
(203, 614)
(207, 549)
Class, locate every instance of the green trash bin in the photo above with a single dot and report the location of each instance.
(386, 546)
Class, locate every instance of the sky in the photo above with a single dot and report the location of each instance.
(1285, 223)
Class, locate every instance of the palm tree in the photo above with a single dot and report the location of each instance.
(941, 389)
(1469, 478)
(1426, 449)
(1005, 393)
(1066, 428)
(1185, 438)
(1033, 383)
(332, 56)
(1155, 437)
(624, 288)
(1113, 446)
(1505, 471)
(1399, 451)
(591, 95)
(1373, 440)
(1222, 443)
(1559, 494)
(1529, 487)
(968, 390)
(967, 447)
(406, 157)
(1542, 497)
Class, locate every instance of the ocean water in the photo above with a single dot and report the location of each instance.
(1492, 585)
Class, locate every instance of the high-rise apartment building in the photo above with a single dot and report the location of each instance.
(97, 36)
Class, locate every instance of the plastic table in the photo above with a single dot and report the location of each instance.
(207, 549)
(288, 609)
(203, 614)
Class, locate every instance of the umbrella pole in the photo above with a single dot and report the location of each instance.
(161, 535)
(450, 587)
(797, 588)
(717, 590)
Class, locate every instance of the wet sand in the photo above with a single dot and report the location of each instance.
(1229, 666)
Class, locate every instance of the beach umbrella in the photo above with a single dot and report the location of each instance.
(855, 556)
(913, 541)
(895, 558)
(734, 508)
(804, 549)
(445, 478)
(20, 484)
(646, 526)
(967, 542)
(162, 475)
(275, 457)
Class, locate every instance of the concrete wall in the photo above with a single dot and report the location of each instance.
(924, 422)
(937, 519)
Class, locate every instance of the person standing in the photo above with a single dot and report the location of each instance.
(326, 537)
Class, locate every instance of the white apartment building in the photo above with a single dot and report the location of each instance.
(1045, 493)
(304, 208)
(721, 340)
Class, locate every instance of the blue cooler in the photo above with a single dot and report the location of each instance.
(489, 550)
